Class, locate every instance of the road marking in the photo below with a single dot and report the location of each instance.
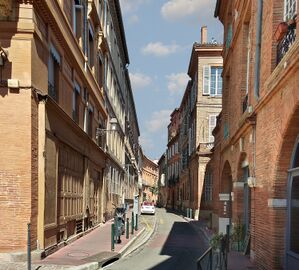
(161, 221)
(147, 225)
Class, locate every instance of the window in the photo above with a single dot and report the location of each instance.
(212, 80)
(229, 36)
(212, 125)
(53, 73)
(226, 131)
(89, 121)
(78, 21)
(100, 73)
(208, 187)
(90, 52)
(76, 101)
(290, 8)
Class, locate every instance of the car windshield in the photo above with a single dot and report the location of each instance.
(147, 203)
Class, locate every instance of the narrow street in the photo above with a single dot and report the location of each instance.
(174, 245)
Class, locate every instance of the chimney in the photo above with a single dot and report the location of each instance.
(204, 35)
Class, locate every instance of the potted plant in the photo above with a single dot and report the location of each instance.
(281, 30)
(216, 240)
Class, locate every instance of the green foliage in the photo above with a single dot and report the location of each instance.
(154, 190)
(215, 242)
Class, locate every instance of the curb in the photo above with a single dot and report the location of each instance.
(88, 266)
(144, 241)
(133, 240)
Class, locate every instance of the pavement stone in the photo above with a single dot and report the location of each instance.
(87, 253)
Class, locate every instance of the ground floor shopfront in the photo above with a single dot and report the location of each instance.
(71, 183)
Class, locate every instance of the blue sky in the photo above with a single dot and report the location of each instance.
(160, 34)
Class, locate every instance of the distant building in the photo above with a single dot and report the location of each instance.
(173, 159)
(150, 174)
(190, 137)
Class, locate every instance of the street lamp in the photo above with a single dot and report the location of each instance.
(113, 127)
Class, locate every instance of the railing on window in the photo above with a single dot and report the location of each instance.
(286, 42)
(245, 103)
(52, 91)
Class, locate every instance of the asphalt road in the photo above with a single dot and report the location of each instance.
(174, 246)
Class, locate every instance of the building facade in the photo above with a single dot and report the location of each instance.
(58, 95)
(205, 71)
(173, 160)
(190, 130)
(255, 159)
(149, 174)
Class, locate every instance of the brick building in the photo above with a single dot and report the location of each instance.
(255, 160)
(173, 160)
(56, 97)
(150, 175)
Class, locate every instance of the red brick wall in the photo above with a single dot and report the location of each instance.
(16, 168)
(277, 117)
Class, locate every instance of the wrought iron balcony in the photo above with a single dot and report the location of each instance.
(245, 103)
(286, 42)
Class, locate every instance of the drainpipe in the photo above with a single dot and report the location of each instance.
(259, 18)
(85, 10)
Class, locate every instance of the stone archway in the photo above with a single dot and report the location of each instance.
(225, 199)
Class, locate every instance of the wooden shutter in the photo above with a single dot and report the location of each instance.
(212, 125)
(206, 80)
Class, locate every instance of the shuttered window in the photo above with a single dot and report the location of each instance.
(206, 80)
(212, 80)
(212, 125)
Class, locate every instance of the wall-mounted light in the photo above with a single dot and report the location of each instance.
(3, 56)
(113, 127)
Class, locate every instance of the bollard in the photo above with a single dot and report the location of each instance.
(127, 228)
(28, 247)
(191, 213)
(132, 231)
(136, 225)
(112, 236)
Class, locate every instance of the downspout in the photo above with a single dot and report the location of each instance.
(85, 10)
(259, 18)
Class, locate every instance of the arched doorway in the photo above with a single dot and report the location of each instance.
(225, 200)
(242, 193)
(292, 248)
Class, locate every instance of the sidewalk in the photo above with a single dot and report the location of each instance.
(87, 253)
(236, 260)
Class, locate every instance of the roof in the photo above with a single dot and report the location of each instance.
(122, 30)
(216, 12)
(206, 49)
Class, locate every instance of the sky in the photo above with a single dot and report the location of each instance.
(160, 35)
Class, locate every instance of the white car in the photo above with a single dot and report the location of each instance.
(148, 208)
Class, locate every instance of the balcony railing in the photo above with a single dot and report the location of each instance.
(287, 41)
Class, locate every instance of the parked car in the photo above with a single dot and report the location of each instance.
(148, 208)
